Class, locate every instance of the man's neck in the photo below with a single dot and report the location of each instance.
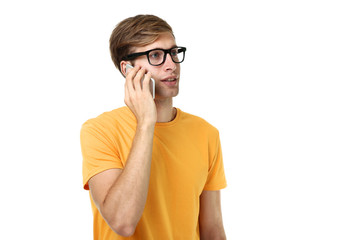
(165, 110)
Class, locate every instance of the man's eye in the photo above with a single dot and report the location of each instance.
(155, 55)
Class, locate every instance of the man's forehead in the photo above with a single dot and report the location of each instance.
(164, 41)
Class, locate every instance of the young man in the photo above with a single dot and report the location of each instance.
(154, 171)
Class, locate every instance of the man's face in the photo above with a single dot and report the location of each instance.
(164, 74)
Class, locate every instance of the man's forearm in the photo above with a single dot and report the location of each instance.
(125, 201)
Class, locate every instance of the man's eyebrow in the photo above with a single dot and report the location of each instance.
(164, 48)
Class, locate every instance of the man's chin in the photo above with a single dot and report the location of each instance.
(167, 94)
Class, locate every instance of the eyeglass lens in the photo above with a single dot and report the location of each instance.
(157, 57)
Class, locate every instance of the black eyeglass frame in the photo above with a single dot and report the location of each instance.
(166, 51)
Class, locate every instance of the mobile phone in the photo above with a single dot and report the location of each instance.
(152, 82)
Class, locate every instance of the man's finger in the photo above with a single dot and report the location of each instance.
(146, 82)
(129, 79)
(137, 79)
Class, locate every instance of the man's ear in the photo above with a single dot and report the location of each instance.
(123, 67)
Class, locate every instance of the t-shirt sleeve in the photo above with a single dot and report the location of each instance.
(98, 151)
(216, 175)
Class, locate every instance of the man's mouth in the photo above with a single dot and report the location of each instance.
(169, 80)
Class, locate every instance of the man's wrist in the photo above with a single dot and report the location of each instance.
(145, 126)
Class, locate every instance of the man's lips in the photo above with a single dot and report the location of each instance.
(169, 79)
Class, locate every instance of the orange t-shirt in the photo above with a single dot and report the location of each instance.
(186, 160)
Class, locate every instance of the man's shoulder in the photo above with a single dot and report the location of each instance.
(198, 122)
(111, 118)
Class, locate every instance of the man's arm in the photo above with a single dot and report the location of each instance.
(210, 218)
(120, 194)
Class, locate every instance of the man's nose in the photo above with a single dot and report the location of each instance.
(169, 63)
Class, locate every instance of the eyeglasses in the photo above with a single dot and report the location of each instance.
(157, 56)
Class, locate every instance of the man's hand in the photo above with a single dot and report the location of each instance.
(138, 98)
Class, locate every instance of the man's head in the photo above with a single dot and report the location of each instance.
(133, 32)
(140, 34)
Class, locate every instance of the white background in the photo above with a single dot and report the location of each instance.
(279, 79)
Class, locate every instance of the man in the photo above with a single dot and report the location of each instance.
(154, 171)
